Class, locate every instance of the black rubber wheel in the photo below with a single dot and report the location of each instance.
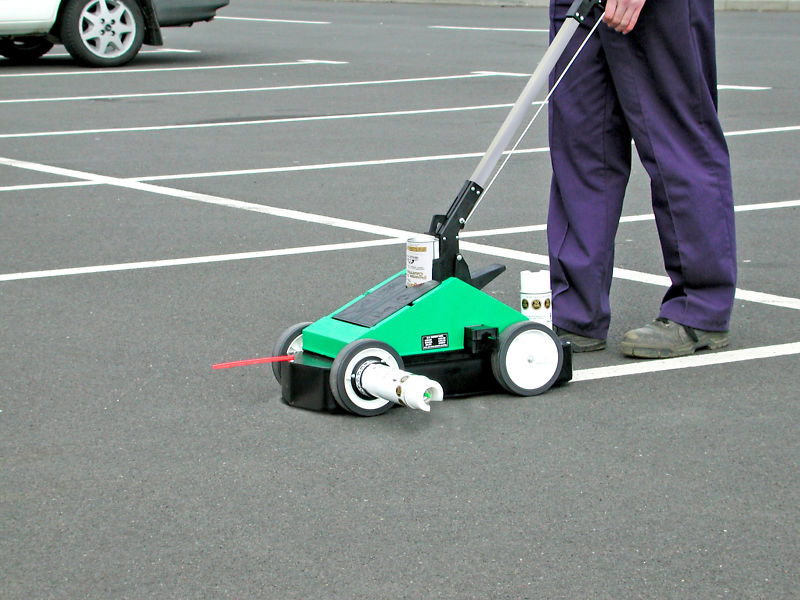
(102, 33)
(25, 49)
(343, 374)
(528, 358)
(288, 342)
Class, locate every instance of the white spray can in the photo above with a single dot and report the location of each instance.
(421, 251)
(535, 298)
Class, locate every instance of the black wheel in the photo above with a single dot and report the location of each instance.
(24, 49)
(344, 371)
(102, 33)
(528, 359)
(288, 342)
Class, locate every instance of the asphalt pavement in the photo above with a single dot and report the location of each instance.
(264, 169)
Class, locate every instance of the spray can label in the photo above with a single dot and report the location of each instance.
(421, 251)
(536, 301)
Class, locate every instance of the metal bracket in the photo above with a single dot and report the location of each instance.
(580, 9)
(447, 229)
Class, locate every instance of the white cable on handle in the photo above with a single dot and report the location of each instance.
(522, 104)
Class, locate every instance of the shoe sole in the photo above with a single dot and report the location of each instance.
(629, 349)
(587, 347)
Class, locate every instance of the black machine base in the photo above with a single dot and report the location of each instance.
(305, 380)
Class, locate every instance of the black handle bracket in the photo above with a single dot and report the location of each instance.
(580, 9)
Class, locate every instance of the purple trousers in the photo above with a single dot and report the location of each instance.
(656, 86)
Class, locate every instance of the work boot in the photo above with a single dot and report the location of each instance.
(580, 343)
(666, 339)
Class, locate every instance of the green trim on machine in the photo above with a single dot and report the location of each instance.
(430, 324)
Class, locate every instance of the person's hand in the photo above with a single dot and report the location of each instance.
(621, 15)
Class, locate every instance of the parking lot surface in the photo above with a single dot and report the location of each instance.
(264, 169)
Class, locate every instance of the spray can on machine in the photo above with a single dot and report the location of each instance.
(536, 300)
(421, 250)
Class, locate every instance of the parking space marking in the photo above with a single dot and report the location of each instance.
(395, 234)
(501, 29)
(369, 115)
(272, 170)
(352, 164)
(206, 198)
(630, 275)
(744, 88)
(626, 219)
(766, 130)
(339, 165)
(154, 51)
(259, 20)
(687, 362)
(398, 113)
(197, 260)
(275, 88)
(308, 61)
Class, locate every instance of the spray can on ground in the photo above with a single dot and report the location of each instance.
(536, 300)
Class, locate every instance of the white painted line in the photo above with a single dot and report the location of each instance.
(278, 88)
(197, 260)
(766, 205)
(767, 130)
(155, 51)
(629, 275)
(314, 118)
(773, 300)
(325, 166)
(207, 199)
(268, 170)
(686, 362)
(502, 231)
(506, 74)
(272, 20)
(46, 186)
(743, 88)
(540, 259)
(398, 113)
(514, 29)
(628, 219)
(173, 69)
(720, 87)
(769, 299)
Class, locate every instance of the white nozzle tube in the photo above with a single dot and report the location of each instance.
(400, 387)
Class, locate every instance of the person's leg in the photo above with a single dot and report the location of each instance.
(665, 78)
(590, 150)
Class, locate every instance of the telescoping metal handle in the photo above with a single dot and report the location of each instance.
(446, 227)
(578, 12)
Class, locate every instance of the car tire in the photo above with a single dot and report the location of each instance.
(24, 49)
(102, 33)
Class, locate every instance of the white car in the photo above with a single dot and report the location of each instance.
(99, 33)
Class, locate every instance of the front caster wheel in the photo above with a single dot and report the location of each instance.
(528, 359)
(345, 374)
(289, 342)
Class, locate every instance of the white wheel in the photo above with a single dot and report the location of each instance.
(344, 373)
(528, 359)
(288, 342)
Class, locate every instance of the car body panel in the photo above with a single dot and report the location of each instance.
(27, 16)
(37, 17)
(185, 12)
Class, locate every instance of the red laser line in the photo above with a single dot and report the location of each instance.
(254, 361)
